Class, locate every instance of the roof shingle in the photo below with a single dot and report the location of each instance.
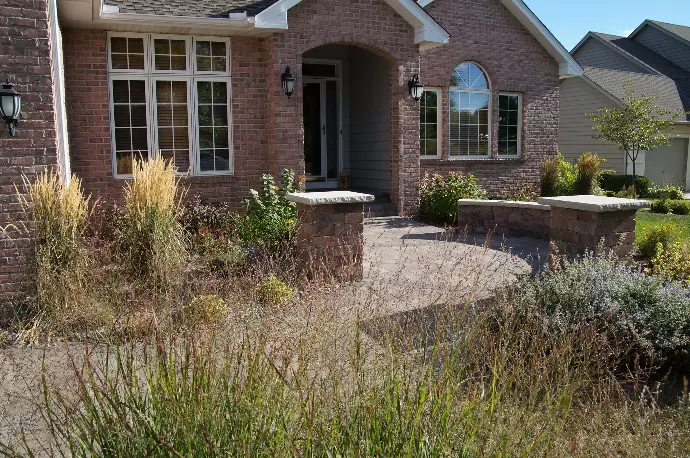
(195, 8)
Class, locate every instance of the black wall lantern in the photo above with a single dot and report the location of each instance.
(416, 88)
(288, 82)
(10, 105)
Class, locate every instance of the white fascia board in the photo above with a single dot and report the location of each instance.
(275, 16)
(58, 74)
(424, 3)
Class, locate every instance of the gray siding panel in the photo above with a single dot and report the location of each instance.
(597, 54)
(575, 137)
(665, 45)
(370, 121)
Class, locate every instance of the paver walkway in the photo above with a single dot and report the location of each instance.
(410, 265)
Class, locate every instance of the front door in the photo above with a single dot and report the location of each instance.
(321, 133)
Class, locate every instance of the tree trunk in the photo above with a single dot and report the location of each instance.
(634, 174)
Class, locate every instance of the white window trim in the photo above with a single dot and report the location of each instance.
(228, 53)
(149, 75)
(195, 106)
(519, 138)
(439, 124)
(147, 57)
(152, 54)
(488, 91)
(111, 110)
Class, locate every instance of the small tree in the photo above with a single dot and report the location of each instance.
(638, 126)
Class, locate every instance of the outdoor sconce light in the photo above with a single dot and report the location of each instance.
(288, 82)
(416, 88)
(10, 105)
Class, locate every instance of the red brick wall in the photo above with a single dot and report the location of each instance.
(487, 33)
(25, 57)
(373, 25)
(88, 118)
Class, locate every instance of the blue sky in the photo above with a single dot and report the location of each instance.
(571, 20)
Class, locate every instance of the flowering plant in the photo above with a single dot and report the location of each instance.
(440, 194)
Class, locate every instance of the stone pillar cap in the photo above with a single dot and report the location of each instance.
(596, 204)
(329, 197)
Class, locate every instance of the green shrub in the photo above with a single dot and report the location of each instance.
(204, 310)
(616, 183)
(151, 239)
(588, 171)
(677, 207)
(668, 191)
(270, 217)
(220, 252)
(557, 177)
(272, 291)
(640, 315)
(672, 263)
(440, 194)
(657, 235)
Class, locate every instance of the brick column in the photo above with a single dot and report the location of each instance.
(25, 59)
(330, 233)
(593, 223)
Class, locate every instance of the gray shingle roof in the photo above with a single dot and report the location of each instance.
(678, 30)
(193, 8)
(668, 94)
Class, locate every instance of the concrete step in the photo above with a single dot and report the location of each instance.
(378, 209)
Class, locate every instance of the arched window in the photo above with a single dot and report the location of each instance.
(470, 114)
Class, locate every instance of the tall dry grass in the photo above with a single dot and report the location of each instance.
(151, 238)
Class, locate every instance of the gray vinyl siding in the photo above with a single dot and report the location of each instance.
(594, 53)
(665, 45)
(575, 135)
(370, 121)
(668, 165)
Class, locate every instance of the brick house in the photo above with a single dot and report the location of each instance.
(104, 81)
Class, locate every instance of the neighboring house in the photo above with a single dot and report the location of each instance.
(654, 60)
(104, 81)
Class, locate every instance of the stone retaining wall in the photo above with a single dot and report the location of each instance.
(573, 224)
(502, 217)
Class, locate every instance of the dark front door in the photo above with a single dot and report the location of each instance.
(321, 131)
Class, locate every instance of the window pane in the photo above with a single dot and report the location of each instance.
(123, 163)
(161, 46)
(203, 48)
(170, 54)
(173, 132)
(219, 64)
(203, 64)
(120, 91)
(218, 48)
(121, 115)
(123, 139)
(178, 63)
(509, 125)
(178, 47)
(470, 126)
(127, 53)
(140, 141)
(137, 90)
(213, 121)
(469, 76)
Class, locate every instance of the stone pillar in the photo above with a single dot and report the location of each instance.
(330, 233)
(593, 223)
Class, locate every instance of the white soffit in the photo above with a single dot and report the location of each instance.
(568, 67)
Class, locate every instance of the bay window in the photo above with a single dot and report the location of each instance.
(170, 96)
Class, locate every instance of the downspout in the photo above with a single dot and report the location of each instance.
(687, 169)
(58, 77)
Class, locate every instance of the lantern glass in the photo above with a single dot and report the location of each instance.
(8, 106)
(418, 91)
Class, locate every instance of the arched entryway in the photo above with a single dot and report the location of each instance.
(346, 108)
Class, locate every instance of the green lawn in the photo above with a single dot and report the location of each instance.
(647, 220)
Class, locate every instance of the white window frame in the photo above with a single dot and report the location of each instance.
(149, 75)
(439, 124)
(111, 110)
(152, 54)
(489, 92)
(154, 114)
(197, 159)
(147, 64)
(519, 126)
(228, 53)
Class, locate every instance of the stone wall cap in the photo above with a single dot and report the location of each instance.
(594, 203)
(329, 197)
(503, 203)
